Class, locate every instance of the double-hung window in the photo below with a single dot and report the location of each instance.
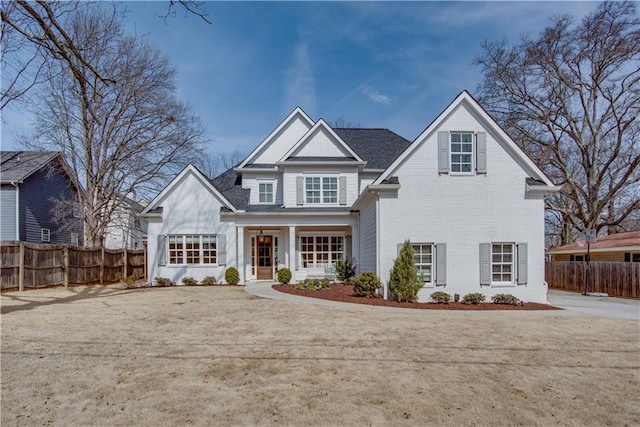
(321, 189)
(502, 262)
(322, 249)
(423, 257)
(461, 152)
(265, 192)
(192, 249)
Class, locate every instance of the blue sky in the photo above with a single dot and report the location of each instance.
(394, 65)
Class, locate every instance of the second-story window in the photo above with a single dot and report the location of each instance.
(321, 189)
(265, 192)
(461, 152)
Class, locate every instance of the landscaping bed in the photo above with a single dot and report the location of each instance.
(344, 293)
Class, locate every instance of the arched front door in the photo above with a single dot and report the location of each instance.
(265, 258)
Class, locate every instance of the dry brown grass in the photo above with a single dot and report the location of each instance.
(217, 356)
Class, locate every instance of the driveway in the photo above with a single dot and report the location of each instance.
(576, 304)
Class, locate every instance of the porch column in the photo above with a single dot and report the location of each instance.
(355, 244)
(292, 249)
(240, 244)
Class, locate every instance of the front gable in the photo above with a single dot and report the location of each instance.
(321, 142)
(285, 136)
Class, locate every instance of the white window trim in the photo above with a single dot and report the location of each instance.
(45, 235)
(432, 283)
(514, 265)
(319, 234)
(473, 153)
(74, 237)
(184, 250)
(273, 191)
(322, 203)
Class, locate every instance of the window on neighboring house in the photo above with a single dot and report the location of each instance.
(461, 152)
(192, 249)
(45, 234)
(77, 210)
(74, 239)
(502, 262)
(321, 189)
(423, 257)
(265, 192)
(632, 257)
(321, 249)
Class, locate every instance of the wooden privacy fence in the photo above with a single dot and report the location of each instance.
(620, 279)
(29, 265)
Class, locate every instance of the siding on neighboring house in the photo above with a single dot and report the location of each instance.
(36, 194)
(8, 195)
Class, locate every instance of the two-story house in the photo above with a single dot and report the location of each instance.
(126, 228)
(469, 200)
(30, 181)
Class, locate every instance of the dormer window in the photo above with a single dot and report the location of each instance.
(265, 192)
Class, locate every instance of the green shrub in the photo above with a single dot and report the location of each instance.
(208, 281)
(404, 282)
(324, 283)
(366, 284)
(440, 297)
(232, 276)
(507, 299)
(301, 286)
(284, 275)
(189, 281)
(163, 281)
(345, 268)
(474, 298)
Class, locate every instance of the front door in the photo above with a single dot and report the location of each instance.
(265, 258)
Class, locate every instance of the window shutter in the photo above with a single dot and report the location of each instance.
(162, 250)
(342, 180)
(443, 152)
(485, 263)
(522, 263)
(481, 152)
(221, 249)
(299, 190)
(400, 248)
(441, 263)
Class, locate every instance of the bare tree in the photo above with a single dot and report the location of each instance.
(214, 165)
(120, 135)
(570, 98)
(342, 122)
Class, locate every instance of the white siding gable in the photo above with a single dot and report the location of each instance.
(277, 145)
(321, 144)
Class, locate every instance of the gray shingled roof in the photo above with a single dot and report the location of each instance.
(15, 166)
(378, 147)
(230, 186)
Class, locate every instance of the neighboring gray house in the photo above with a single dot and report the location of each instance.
(30, 181)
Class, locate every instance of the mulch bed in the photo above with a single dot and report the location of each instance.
(344, 293)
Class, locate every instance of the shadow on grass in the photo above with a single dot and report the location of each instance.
(77, 294)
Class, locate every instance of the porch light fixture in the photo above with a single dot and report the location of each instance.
(261, 236)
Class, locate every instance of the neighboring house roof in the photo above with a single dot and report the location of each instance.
(378, 147)
(628, 241)
(16, 166)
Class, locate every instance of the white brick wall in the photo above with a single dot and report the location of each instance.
(367, 258)
(464, 211)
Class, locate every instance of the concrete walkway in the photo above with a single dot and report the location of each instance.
(574, 304)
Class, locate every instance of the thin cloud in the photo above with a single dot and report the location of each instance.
(376, 96)
(300, 82)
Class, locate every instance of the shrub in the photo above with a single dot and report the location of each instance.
(208, 281)
(301, 285)
(324, 283)
(474, 298)
(440, 297)
(232, 276)
(284, 275)
(163, 281)
(366, 284)
(345, 268)
(507, 299)
(189, 281)
(404, 282)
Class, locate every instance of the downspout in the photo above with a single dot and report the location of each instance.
(15, 184)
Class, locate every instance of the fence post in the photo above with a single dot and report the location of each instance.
(125, 265)
(65, 261)
(102, 265)
(21, 267)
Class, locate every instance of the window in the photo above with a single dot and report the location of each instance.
(502, 262)
(321, 249)
(321, 189)
(461, 152)
(74, 239)
(192, 249)
(45, 234)
(631, 257)
(423, 257)
(265, 192)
